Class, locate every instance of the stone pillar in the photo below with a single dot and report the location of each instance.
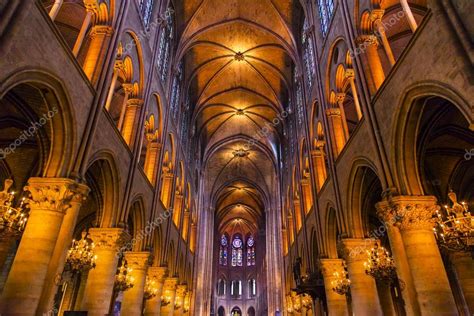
(400, 258)
(365, 299)
(340, 98)
(336, 130)
(169, 295)
(132, 303)
(464, 268)
(320, 164)
(128, 90)
(56, 266)
(130, 120)
(192, 239)
(118, 67)
(153, 305)
(415, 221)
(100, 283)
(185, 230)
(291, 227)
(50, 200)
(178, 202)
(307, 194)
(166, 186)
(336, 303)
(349, 75)
(369, 44)
(410, 18)
(151, 160)
(299, 223)
(53, 12)
(385, 297)
(179, 301)
(376, 18)
(82, 32)
(99, 39)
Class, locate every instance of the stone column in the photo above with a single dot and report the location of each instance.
(400, 258)
(169, 295)
(132, 303)
(415, 221)
(50, 200)
(100, 283)
(178, 202)
(365, 299)
(56, 266)
(153, 305)
(130, 120)
(320, 164)
(336, 130)
(128, 90)
(349, 75)
(99, 39)
(166, 186)
(151, 160)
(376, 18)
(192, 239)
(337, 304)
(410, 18)
(53, 12)
(464, 269)
(118, 67)
(307, 194)
(179, 301)
(369, 44)
(299, 223)
(185, 230)
(340, 98)
(82, 32)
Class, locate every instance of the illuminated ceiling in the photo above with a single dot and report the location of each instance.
(238, 58)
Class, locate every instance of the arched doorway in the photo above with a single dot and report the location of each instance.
(221, 311)
(236, 312)
(251, 311)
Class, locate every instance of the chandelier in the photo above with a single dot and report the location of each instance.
(81, 257)
(454, 228)
(289, 304)
(341, 283)
(166, 299)
(12, 219)
(306, 301)
(380, 264)
(123, 279)
(150, 289)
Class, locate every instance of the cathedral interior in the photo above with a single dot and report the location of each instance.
(237, 157)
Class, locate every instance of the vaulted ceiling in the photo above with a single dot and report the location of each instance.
(239, 59)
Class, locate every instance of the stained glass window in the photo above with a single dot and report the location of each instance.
(223, 251)
(237, 252)
(326, 10)
(308, 53)
(166, 41)
(146, 8)
(250, 251)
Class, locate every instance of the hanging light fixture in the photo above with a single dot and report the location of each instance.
(306, 301)
(150, 289)
(123, 279)
(12, 219)
(81, 256)
(341, 283)
(380, 264)
(454, 228)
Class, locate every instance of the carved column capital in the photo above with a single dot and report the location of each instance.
(108, 238)
(333, 112)
(170, 284)
(134, 102)
(356, 249)
(157, 273)
(409, 212)
(181, 290)
(349, 74)
(367, 40)
(329, 266)
(138, 260)
(54, 194)
(101, 30)
(376, 15)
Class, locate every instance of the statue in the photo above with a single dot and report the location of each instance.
(297, 271)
